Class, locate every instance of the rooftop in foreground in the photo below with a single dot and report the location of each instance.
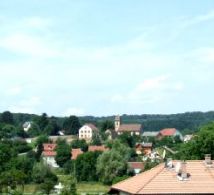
(161, 180)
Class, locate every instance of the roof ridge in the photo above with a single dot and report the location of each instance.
(155, 175)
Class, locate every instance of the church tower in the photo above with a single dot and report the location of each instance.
(117, 123)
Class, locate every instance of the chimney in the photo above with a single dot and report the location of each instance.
(208, 160)
(169, 163)
(182, 171)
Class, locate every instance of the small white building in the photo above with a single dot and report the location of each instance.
(26, 126)
(87, 130)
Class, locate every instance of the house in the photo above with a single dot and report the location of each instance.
(49, 154)
(169, 132)
(143, 148)
(97, 148)
(75, 153)
(67, 138)
(86, 131)
(187, 138)
(137, 167)
(130, 128)
(26, 126)
(175, 178)
(149, 134)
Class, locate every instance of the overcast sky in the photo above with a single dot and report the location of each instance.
(105, 57)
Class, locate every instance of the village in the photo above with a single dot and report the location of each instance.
(151, 149)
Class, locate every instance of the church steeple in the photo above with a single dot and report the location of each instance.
(117, 123)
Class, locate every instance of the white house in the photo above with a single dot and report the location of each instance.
(86, 131)
(26, 126)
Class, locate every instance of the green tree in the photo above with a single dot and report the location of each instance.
(80, 143)
(7, 131)
(128, 139)
(7, 118)
(96, 139)
(70, 187)
(107, 124)
(12, 178)
(34, 130)
(85, 166)
(39, 145)
(47, 186)
(71, 125)
(42, 173)
(7, 152)
(63, 153)
(201, 144)
(113, 163)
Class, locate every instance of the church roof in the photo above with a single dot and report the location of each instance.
(130, 127)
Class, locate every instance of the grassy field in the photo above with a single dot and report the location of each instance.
(87, 187)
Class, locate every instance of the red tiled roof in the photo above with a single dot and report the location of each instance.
(160, 180)
(97, 148)
(168, 132)
(136, 165)
(49, 147)
(130, 127)
(75, 153)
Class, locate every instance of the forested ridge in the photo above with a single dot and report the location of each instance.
(189, 121)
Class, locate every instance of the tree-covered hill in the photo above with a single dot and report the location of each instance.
(151, 122)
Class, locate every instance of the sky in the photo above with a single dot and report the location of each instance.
(106, 57)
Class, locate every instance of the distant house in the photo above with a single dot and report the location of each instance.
(189, 178)
(169, 132)
(150, 134)
(187, 138)
(75, 153)
(143, 148)
(137, 167)
(49, 154)
(26, 126)
(97, 148)
(130, 128)
(86, 131)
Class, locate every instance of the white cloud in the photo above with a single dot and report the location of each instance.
(14, 91)
(25, 44)
(150, 91)
(26, 105)
(205, 55)
(74, 111)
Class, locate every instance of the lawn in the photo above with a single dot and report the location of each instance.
(87, 187)
(91, 187)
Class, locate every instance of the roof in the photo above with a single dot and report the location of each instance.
(49, 147)
(92, 126)
(48, 150)
(130, 127)
(160, 180)
(147, 145)
(75, 153)
(97, 148)
(150, 133)
(168, 132)
(136, 165)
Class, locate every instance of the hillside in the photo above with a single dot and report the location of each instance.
(151, 122)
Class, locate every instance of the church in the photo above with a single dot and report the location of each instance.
(133, 129)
